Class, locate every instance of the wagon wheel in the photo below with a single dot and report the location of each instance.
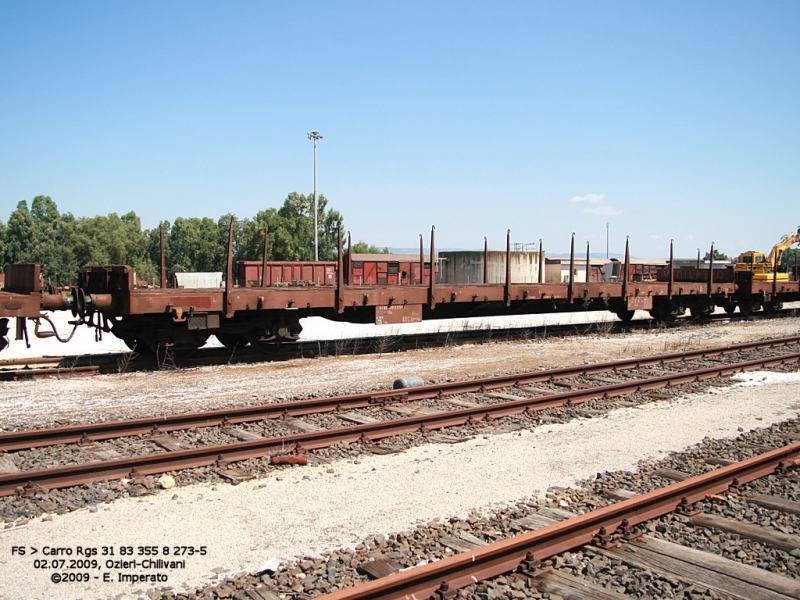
(662, 312)
(264, 347)
(701, 312)
(746, 308)
(134, 345)
(173, 354)
(261, 339)
(3, 334)
(625, 315)
(231, 340)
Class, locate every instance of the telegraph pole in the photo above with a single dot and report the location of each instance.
(314, 135)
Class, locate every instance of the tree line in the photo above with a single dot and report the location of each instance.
(62, 243)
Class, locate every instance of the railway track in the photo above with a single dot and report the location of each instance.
(580, 391)
(716, 528)
(212, 439)
(99, 364)
(613, 531)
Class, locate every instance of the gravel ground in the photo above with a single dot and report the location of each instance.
(306, 511)
(27, 404)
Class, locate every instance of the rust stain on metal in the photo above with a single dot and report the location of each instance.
(191, 301)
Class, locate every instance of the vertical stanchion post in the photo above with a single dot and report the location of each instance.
(711, 270)
(485, 260)
(163, 258)
(349, 260)
(627, 267)
(340, 274)
(571, 268)
(432, 276)
(698, 258)
(421, 262)
(229, 274)
(774, 276)
(541, 261)
(588, 268)
(671, 269)
(508, 268)
(264, 260)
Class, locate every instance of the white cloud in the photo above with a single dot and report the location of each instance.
(603, 210)
(591, 198)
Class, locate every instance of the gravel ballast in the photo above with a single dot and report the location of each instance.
(47, 403)
(306, 511)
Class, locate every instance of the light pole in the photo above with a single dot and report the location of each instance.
(314, 135)
(606, 240)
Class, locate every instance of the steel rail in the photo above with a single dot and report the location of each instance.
(39, 372)
(88, 433)
(222, 455)
(508, 555)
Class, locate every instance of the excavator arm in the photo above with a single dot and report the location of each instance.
(786, 242)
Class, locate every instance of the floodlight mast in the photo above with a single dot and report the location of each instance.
(314, 135)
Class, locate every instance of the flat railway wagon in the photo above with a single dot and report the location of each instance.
(23, 297)
(182, 319)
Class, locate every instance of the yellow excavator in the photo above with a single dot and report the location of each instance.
(763, 267)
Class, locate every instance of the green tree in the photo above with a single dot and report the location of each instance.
(193, 245)
(293, 229)
(251, 235)
(223, 228)
(790, 258)
(329, 230)
(152, 253)
(2, 244)
(717, 255)
(113, 240)
(62, 242)
(53, 236)
(42, 235)
(361, 247)
(19, 234)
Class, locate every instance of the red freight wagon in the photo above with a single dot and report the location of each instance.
(639, 270)
(385, 269)
(694, 275)
(367, 269)
(284, 272)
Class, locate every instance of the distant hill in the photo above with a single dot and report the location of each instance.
(547, 254)
(427, 250)
(583, 255)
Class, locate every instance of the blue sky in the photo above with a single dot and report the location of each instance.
(667, 120)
